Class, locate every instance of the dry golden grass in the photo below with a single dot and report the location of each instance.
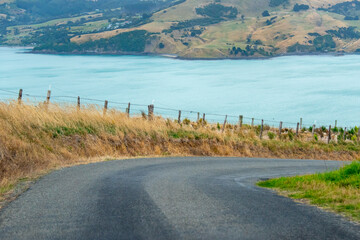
(36, 138)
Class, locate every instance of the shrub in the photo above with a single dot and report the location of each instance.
(291, 135)
(300, 7)
(186, 121)
(202, 122)
(265, 13)
(271, 135)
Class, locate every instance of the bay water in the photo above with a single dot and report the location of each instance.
(320, 89)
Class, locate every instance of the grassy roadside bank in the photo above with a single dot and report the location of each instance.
(337, 190)
(37, 138)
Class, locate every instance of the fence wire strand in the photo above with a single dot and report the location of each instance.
(163, 110)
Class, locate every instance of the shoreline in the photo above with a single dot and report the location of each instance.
(175, 56)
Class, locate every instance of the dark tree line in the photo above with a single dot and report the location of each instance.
(128, 42)
(319, 44)
(300, 7)
(345, 33)
(217, 11)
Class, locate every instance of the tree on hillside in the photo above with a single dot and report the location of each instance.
(265, 13)
(300, 7)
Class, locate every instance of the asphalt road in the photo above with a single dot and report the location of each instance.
(170, 198)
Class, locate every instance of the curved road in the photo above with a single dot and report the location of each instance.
(170, 198)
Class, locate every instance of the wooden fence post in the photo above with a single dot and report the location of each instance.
(335, 123)
(150, 111)
(78, 103)
(48, 96)
(128, 110)
(300, 123)
(313, 130)
(179, 117)
(280, 128)
(198, 117)
(105, 106)
(241, 120)
(203, 119)
(20, 96)
(261, 128)
(297, 129)
(252, 122)
(224, 125)
(329, 138)
(345, 134)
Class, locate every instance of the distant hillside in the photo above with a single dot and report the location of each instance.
(189, 29)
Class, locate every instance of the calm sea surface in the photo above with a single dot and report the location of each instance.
(319, 89)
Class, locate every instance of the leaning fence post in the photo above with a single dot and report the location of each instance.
(329, 138)
(203, 119)
(241, 120)
(150, 111)
(48, 96)
(313, 130)
(78, 103)
(224, 125)
(252, 122)
(280, 127)
(261, 128)
(105, 106)
(297, 129)
(179, 117)
(20, 96)
(128, 110)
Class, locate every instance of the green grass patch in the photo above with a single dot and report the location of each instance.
(337, 190)
(6, 188)
(181, 133)
(78, 128)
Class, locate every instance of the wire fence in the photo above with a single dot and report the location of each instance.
(180, 115)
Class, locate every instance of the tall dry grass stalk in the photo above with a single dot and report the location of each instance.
(35, 138)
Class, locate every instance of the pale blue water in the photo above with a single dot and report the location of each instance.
(317, 88)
